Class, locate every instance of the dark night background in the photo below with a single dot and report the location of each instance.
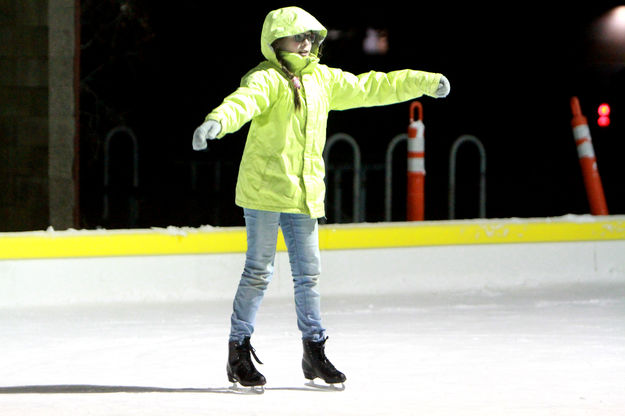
(160, 67)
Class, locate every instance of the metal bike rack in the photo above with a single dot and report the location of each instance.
(452, 174)
(135, 171)
(356, 182)
(388, 169)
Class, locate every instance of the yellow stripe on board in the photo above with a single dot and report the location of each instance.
(472, 232)
(63, 244)
(119, 243)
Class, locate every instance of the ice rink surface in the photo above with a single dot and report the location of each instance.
(529, 351)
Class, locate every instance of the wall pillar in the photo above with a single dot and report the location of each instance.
(62, 112)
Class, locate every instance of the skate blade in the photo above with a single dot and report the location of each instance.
(327, 387)
(235, 388)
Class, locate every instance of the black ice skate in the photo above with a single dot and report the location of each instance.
(316, 365)
(241, 368)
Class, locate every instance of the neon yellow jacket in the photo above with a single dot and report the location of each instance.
(282, 167)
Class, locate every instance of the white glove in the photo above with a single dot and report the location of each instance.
(443, 88)
(207, 131)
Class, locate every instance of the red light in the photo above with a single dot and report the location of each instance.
(603, 121)
(604, 110)
(604, 115)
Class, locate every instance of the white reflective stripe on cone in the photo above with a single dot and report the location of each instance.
(585, 149)
(416, 165)
(582, 131)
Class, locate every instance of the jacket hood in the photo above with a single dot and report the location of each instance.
(289, 21)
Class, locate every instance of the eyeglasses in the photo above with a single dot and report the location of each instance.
(300, 37)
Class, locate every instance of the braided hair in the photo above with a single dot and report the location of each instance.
(294, 81)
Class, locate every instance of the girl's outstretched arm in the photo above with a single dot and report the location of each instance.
(381, 88)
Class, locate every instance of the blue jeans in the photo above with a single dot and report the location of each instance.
(301, 235)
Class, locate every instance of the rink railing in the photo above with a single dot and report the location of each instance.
(210, 240)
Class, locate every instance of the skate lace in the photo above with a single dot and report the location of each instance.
(321, 355)
(253, 351)
(247, 348)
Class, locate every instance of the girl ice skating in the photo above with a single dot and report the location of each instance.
(287, 98)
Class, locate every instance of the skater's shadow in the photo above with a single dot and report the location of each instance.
(96, 389)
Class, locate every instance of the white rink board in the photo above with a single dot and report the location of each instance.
(179, 278)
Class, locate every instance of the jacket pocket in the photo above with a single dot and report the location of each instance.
(277, 182)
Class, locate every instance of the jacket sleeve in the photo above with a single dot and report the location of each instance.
(253, 97)
(380, 88)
